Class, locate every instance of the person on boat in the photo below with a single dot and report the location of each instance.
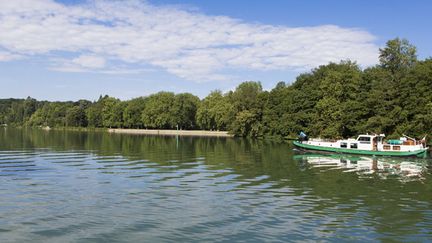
(303, 137)
(423, 141)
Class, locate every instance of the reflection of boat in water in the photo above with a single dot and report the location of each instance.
(367, 145)
(363, 165)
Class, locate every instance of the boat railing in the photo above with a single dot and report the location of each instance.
(328, 140)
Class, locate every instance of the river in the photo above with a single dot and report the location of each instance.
(71, 186)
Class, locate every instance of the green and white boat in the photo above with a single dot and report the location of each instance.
(368, 145)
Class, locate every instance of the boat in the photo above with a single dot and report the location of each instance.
(366, 144)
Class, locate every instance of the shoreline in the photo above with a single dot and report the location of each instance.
(198, 133)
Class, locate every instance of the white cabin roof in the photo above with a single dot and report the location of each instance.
(371, 135)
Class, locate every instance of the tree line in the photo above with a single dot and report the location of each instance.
(333, 100)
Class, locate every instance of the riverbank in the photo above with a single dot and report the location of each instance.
(199, 133)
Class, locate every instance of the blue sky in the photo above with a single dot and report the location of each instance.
(70, 50)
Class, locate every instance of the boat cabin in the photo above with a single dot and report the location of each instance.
(370, 142)
(363, 142)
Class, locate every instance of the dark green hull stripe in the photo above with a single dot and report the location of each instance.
(354, 151)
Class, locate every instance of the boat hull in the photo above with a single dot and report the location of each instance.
(362, 152)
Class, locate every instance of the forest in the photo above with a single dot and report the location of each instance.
(331, 101)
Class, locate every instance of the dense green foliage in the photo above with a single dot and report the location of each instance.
(333, 100)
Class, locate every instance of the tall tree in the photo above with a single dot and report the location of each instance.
(94, 115)
(158, 112)
(132, 113)
(111, 114)
(397, 56)
(247, 100)
(184, 109)
(215, 112)
(76, 117)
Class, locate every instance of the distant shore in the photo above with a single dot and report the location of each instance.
(199, 133)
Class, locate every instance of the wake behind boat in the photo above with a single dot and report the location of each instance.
(366, 145)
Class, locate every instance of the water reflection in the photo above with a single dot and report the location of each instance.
(403, 169)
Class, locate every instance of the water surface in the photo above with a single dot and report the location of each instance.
(71, 186)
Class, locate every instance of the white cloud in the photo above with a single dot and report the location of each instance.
(82, 63)
(7, 56)
(88, 61)
(186, 43)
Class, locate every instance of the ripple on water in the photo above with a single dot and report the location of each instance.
(203, 194)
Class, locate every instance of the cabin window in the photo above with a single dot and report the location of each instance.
(386, 147)
(364, 140)
(396, 147)
(343, 145)
(353, 145)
